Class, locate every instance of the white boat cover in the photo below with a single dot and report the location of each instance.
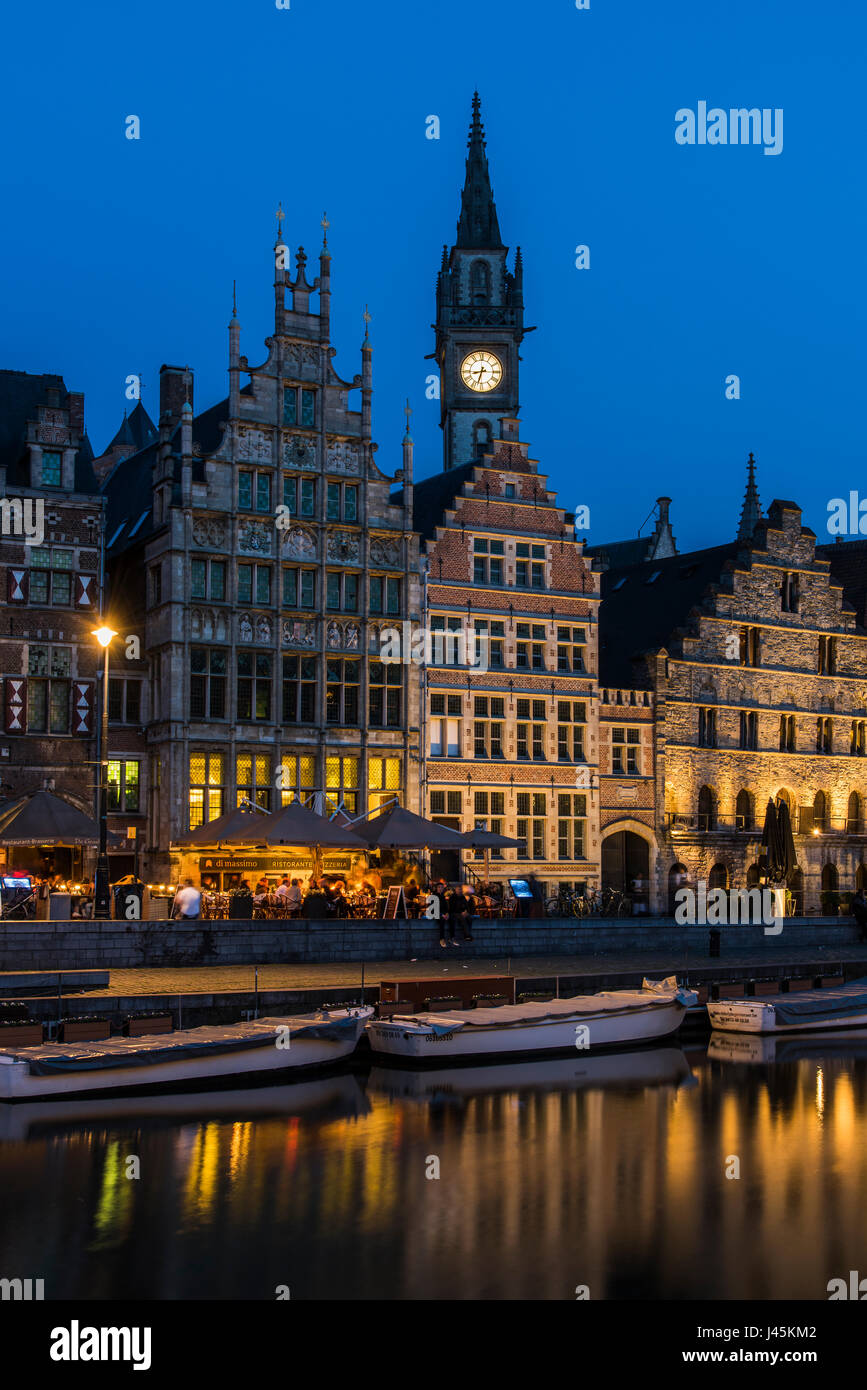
(652, 995)
(53, 1058)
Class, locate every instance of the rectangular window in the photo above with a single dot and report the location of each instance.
(384, 696)
(253, 779)
(297, 776)
(707, 737)
(343, 676)
(341, 592)
(383, 781)
(625, 745)
(206, 787)
(198, 578)
(571, 826)
(308, 409)
(341, 783)
(263, 492)
(290, 405)
(245, 492)
(208, 670)
(51, 474)
(123, 785)
(253, 686)
(299, 689)
(299, 588)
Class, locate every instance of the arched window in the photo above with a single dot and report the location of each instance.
(718, 877)
(480, 283)
(853, 813)
(783, 795)
(481, 436)
(744, 811)
(861, 876)
(706, 809)
(830, 878)
(753, 876)
(820, 811)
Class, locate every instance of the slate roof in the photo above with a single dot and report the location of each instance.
(136, 431)
(849, 568)
(21, 395)
(432, 497)
(621, 553)
(642, 605)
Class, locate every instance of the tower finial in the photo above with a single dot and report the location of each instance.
(751, 512)
(407, 410)
(234, 301)
(367, 317)
(280, 216)
(325, 224)
(477, 224)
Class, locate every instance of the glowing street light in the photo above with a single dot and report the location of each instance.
(101, 885)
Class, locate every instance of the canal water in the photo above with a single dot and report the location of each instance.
(612, 1173)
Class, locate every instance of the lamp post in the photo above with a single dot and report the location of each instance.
(101, 887)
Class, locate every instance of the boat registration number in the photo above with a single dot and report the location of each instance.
(441, 1037)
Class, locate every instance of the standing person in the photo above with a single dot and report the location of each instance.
(292, 898)
(188, 902)
(457, 914)
(469, 913)
(410, 893)
(440, 892)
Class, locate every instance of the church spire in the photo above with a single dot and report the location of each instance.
(751, 513)
(477, 225)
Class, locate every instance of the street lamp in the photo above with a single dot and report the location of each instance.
(101, 889)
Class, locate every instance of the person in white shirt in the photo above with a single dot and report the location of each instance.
(188, 901)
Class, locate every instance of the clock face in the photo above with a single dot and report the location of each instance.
(481, 371)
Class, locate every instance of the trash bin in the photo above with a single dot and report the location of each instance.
(128, 901)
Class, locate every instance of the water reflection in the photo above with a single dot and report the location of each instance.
(608, 1171)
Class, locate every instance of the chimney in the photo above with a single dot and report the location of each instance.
(663, 503)
(76, 414)
(176, 388)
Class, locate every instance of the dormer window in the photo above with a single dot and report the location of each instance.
(51, 475)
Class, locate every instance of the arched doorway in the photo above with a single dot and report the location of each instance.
(753, 876)
(706, 809)
(625, 858)
(830, 878)
(861, 876)
(744, 811)
(718, 877)
(677, 878)
(854, 812)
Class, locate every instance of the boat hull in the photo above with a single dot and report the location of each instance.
(416, 1043)
(754, 1016)
(167, 1073)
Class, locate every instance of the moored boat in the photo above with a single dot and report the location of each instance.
(613, 1018)
(812, 1011)
(208, 1056)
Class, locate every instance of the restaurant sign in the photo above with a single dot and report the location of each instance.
(331, 864)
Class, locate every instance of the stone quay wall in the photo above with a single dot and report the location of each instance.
(103, 945)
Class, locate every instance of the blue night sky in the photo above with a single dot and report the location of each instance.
(705, 261)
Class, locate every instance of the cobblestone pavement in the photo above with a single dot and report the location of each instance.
(226, 978)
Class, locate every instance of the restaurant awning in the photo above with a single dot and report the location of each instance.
(489, 839)
(398, 828)
(248, 825)
(300, 827)
(45, 819)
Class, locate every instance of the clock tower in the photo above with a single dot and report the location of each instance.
(480, 318)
